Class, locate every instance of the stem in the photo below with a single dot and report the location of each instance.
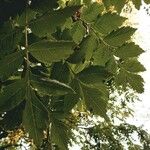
(27, 63)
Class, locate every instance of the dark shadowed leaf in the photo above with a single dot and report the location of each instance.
(34, 117)
(60, 134)
(9, 38)
(47, 24)
(50, 87)
(94, 75)
(85, 51)
(10, 64)
(61, 72)
(95, 101)
(12, 95)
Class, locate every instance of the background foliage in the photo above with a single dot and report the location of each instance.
(61, 63)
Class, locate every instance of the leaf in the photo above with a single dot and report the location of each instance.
(44, 5)
(10, 64)
(90, 13)
(133, 65)
(21, 20)
(108, 22)
(119, 4)
(12, 95)
(120, 36)
(101, 55)
(34, 117)
(95, 101)
(61, 72)
(9, 38)
(50, 87)
(137, 3)
(14, 116)
(126, 79)
(51, 51)
(94, 75)
(147, 1)
(128, 50)
(47, 24)
(136, 82)
(74, 2)
(112, 65)
(71, 100)
(60, 134)
(78, 31)
(84, 53)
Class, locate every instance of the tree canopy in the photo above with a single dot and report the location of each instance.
(62, 61)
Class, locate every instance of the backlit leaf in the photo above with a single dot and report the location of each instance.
(120, 36)
(108, 22)
(90, 12)
(128, 50)
(133, 65)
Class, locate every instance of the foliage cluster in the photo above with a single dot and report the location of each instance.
(56, 56)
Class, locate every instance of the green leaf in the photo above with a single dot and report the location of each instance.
(10, 64)
(137, 3)
(34, 117)
(128, 50)
(47, 24)
(61, 72)
(21, 20)
(120, 36)
(12, 95)
(85, 52)
(133, 65)
(9, 38)
(60, 134)
(101, 55)
(71, 100)
(90, 13)
(50, 87)
(74, 2)
(78, 31)
(108, 22)
(51, 51)
(119, 4)
(44, 5)
(112, 65)
(147, 1)
(136, 82)
(95, 101)
(126, 79)
(94, 75)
